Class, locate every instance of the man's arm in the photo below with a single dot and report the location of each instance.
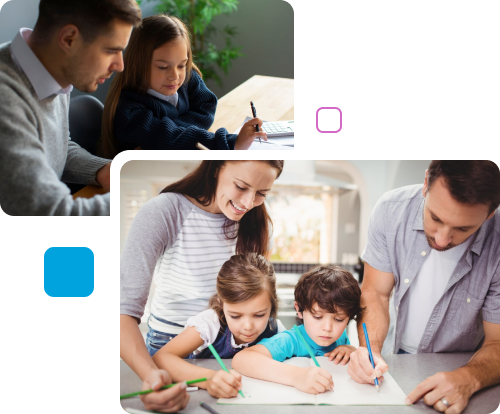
(375, 294)
(82, 167)
(483, 370)
(103, 176)
(484, 366)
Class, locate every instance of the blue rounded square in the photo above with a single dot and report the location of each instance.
(68, 272)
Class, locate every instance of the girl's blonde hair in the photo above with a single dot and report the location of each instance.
(154, 32)
(241, 278)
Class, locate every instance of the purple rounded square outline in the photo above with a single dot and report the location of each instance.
(328, 132)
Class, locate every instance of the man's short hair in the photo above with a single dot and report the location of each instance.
(332, 288)
(469, 182)
(92, 17)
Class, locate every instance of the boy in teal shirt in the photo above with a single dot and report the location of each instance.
(326, 299)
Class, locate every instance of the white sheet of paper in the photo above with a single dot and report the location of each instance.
(345, 391)
(284, 140)
(266, 146)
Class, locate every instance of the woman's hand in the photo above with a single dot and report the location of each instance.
(313, 380)
(341, 354)
(248, 134)
(170, 400)
(224, 384)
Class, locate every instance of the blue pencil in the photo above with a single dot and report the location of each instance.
(370, 354)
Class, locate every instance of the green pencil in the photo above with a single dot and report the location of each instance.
(135, 394)
(309, 350)
(217, 357)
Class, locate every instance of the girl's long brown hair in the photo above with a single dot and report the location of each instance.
(253, 230)
(154, 32)
(241, 278)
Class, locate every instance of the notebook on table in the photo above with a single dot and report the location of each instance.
(268, 146)
(345, 391)
(279, 132)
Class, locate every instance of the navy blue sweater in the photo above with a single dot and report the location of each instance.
(153, 124)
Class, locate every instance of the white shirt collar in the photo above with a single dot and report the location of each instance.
(172, 99)
(42, 81)
(235, 346)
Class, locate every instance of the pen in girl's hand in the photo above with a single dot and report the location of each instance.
(254, 113)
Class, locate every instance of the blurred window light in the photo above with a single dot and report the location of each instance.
(301, 225)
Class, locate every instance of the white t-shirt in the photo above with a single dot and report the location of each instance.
(426, 290)
(207, 324)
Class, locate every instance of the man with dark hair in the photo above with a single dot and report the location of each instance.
(438, 247)
(75, 43)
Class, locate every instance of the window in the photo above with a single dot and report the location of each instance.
(302, 225)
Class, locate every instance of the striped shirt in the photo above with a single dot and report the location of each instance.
(183, 247)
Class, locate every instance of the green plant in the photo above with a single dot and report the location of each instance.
(198, 16)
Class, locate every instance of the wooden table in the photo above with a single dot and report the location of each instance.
(272, 97)
(89, 191)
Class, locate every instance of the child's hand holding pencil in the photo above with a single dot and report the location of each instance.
(313, 380)
(224, 384)
(248, 134)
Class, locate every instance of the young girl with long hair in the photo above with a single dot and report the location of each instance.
(241, 313)
(160, 101)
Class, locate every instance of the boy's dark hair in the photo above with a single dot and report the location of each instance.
(331, 288)
(469, 182)
(92, 17)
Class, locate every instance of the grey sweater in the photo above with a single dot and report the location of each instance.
(36, 153)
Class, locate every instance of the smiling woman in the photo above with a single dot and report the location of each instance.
(182, 237)
(237, 190)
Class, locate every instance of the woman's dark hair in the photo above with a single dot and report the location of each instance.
(469, 182)
(92, 17)
(241, 278)
(253, 230)
(332, 288)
